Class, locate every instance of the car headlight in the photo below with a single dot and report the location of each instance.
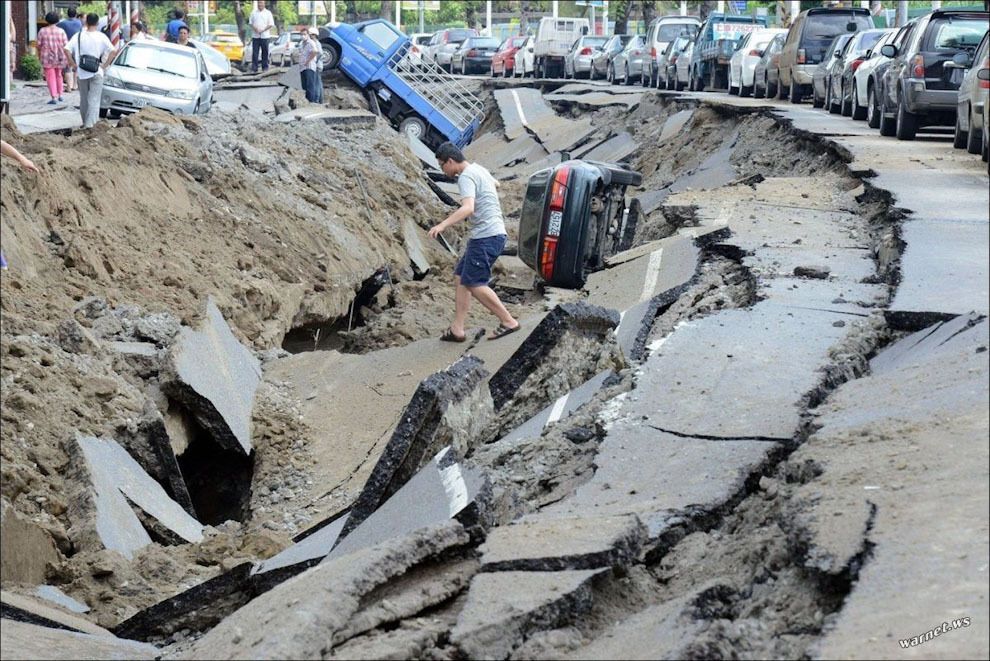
(112, 81)
(182, 94)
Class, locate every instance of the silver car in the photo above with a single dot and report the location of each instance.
(578, 59)
(627, 66)
(158, 74)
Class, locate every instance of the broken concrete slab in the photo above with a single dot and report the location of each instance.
(657, 632)
(332, 116)
(414, 247)
(919, 345)
(671, 263)
(56, 596)
(420, 434)
(614, 150)
(27, 549)
(673, 125)
(596, 99)
(443, 489)
(547, 543)
(504, 608)
(306, 551)
(112, 481)
(19, 640)
(559, 410)
(215, 377)
(524, 110)
(409, 641)
(423, 153)
(261, 98)
(577, 317)
(33, 610)
(293, 620)
(493, 152)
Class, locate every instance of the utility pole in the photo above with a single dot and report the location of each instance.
(936, 4)
(720, 6)
(422, 18)
(206, 18)
(398, 14)
(902, 13)
(684, 8)
(488, 17)
(555, 8)
(605, 18)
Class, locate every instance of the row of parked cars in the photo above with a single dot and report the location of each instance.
(933, 71)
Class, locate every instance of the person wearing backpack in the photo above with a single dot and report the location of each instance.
(89, 53)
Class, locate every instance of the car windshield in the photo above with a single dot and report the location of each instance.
(594, 42)
(140, 56)
(457, 36)
(956, 33)
(671, 31)
(869, 39)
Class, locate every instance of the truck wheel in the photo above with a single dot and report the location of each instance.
(331, 56)
(413, 126)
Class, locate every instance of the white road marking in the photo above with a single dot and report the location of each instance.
(652, 275)
(453, 485)
(557, 410)
(522, 115)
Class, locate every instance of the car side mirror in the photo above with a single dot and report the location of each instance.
(202, 76)
(890, 50)
(851, 26)
(838, 53)
(963, 59)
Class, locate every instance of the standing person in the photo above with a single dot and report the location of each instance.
(139, 32)
(89, 54)
(307, 64)
(172, 29)
(486, 238)
(9, 151)
(71, 26)
(262, 23)
(51, 52)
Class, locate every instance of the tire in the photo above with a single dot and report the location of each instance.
(733, 91)
(986, 146)
(104, 112)
(623, 177)
(610, 75)
(628, 79)
(888, 126)
(872, 109)
(959, 137)
(816, 101)
(858, 111)
(780, 93)
(794, 93)
(331, 56)
(907, 123)
(845, 103)
(413, 126)
(746, 90)
(830, 104)
(974, 145)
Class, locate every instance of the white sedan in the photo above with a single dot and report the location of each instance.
(861, 77)
(524, 62)
(742, 66)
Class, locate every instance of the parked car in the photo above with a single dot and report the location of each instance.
(766, 75)
(283, 48)
(443, 44)
(714, 46)
(573, 217)
(853, 56)
(742, 66)
(669, 51)
(474, 54)
(627, 65)
(682, 66)
(158, 74)
(821, 79)
(420, 41)
(602, 61)
(659, 34)
(217, 64)
(807, 43)
(920, 87)
(677, 49)
(578, 59)
(524, 63)
(228, 43)
(861, 75)
(554, 37)
(504, 60)
(971, 105)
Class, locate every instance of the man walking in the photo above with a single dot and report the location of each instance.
(262, 22)
(308, 52)
(486, 238)
(71, 26)
(90, 52)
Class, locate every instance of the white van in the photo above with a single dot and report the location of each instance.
(553, 40)
(661, 32)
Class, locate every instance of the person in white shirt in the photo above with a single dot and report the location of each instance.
(309, 52)
(90, 43)
(262, 22)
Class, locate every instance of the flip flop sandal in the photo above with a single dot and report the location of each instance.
(448, 336)
(502, 331)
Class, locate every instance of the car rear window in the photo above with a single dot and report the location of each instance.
(821, 29)
(457, 36)
(596, 42)
(671, 31)
(423, 39)
(484, 43)
(954, 33)
(531, 218)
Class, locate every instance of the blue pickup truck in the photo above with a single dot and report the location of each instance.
(418, 98)
(716, 42)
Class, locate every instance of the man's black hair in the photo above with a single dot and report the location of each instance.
(179, 13)
(449, 151)
(71, 12)
(51, 18)
(92, 19)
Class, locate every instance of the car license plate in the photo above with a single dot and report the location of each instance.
(553, 227)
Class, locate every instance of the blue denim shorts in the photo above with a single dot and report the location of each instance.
(475, 267)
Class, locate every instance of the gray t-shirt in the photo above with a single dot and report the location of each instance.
(487, 219)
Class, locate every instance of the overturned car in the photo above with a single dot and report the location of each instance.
(574, 215)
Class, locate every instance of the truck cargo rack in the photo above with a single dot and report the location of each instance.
(444, 92)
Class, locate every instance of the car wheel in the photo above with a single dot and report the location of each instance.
(781, 94)
(413, 126)
(845, 103)
(610, 76)
(794, 91)
(858, 111)
(628, 79)
(959, 137)
(817, 101)
(872, 109)
(907, 122)
(975, 142)
(888, 125)
(830, 104)
(331, 56)
(746, 90)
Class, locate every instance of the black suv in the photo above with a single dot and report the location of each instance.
(917, 88)
(573, 216)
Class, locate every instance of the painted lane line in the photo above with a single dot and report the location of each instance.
(455, 487)
(558, 410)
(522, 115)
(652, 275)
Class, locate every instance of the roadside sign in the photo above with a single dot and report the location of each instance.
(740, 6)
(414, 5)
(598, 4)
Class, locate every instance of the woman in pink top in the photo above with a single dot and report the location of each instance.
(51, 52)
